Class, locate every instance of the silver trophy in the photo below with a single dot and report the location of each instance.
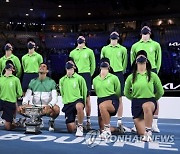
(33, 124)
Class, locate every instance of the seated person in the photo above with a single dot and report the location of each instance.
(43, 90)
(74, 92)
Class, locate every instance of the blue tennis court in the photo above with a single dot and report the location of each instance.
(167, 141)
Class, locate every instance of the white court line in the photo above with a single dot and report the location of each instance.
(161, 123)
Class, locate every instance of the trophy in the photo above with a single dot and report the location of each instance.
(33, 124)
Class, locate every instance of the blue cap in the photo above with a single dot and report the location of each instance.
(69, 65)
(8, 66)
(7, 47)
(145, 30)
(141, 59)
(80, 41)
(114, 36)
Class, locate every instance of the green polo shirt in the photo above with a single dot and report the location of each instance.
(141, 88)
(15, 61)
(117, 56)
(153, 50)
(84, 59)
(108, 86)
(46, 85)
(10, 88)
(72, 88)
(31, 63)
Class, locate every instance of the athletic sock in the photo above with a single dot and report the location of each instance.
(155, 119)
(148, 129)
(106, 126)
(88, 119)
(120, 120)
(80, 124)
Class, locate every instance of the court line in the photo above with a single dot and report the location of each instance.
(159, 123)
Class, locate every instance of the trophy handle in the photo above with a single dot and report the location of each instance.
(25, 115)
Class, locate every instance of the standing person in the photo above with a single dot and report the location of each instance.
(43, 90)
(74, 92)
(10, 56)
(30, 62)
(139, 88)
(117, 55)
(10, 90)
(85, 62)
(154, 55)
(108, 91)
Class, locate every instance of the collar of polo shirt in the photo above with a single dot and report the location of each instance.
(116, 46)
(142, 73)
(4, 57)
(8, 76)
(107, 76)
(82, 48)
(150, 40)
(74, 75)
(34, 53)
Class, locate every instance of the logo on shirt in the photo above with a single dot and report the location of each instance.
(85, 55)
(34, 59)
(108, 81)
(74, 85)
(151, 49)
(10, 84)
(119, 54)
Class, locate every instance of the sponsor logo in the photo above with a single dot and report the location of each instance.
(170, 86)
(91, 139)
(174, 44)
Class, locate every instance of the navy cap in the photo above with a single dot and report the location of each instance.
(69, 65)
(8, 66)
(114, 36)
(141, 59)
(141, 52)
(105, 60)
(7, 47)
(146, 30)
(81, 39)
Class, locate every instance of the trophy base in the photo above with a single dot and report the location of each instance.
(33, 128)
(35, 133)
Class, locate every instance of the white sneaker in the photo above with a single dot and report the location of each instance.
(51, 125)
(120, 127)
(147, 137)
(2, 122)
(79, 131)
(155, 129)
(106, 134)
(123, 129)
(119, 124)
(126, 129)
(134, 129)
